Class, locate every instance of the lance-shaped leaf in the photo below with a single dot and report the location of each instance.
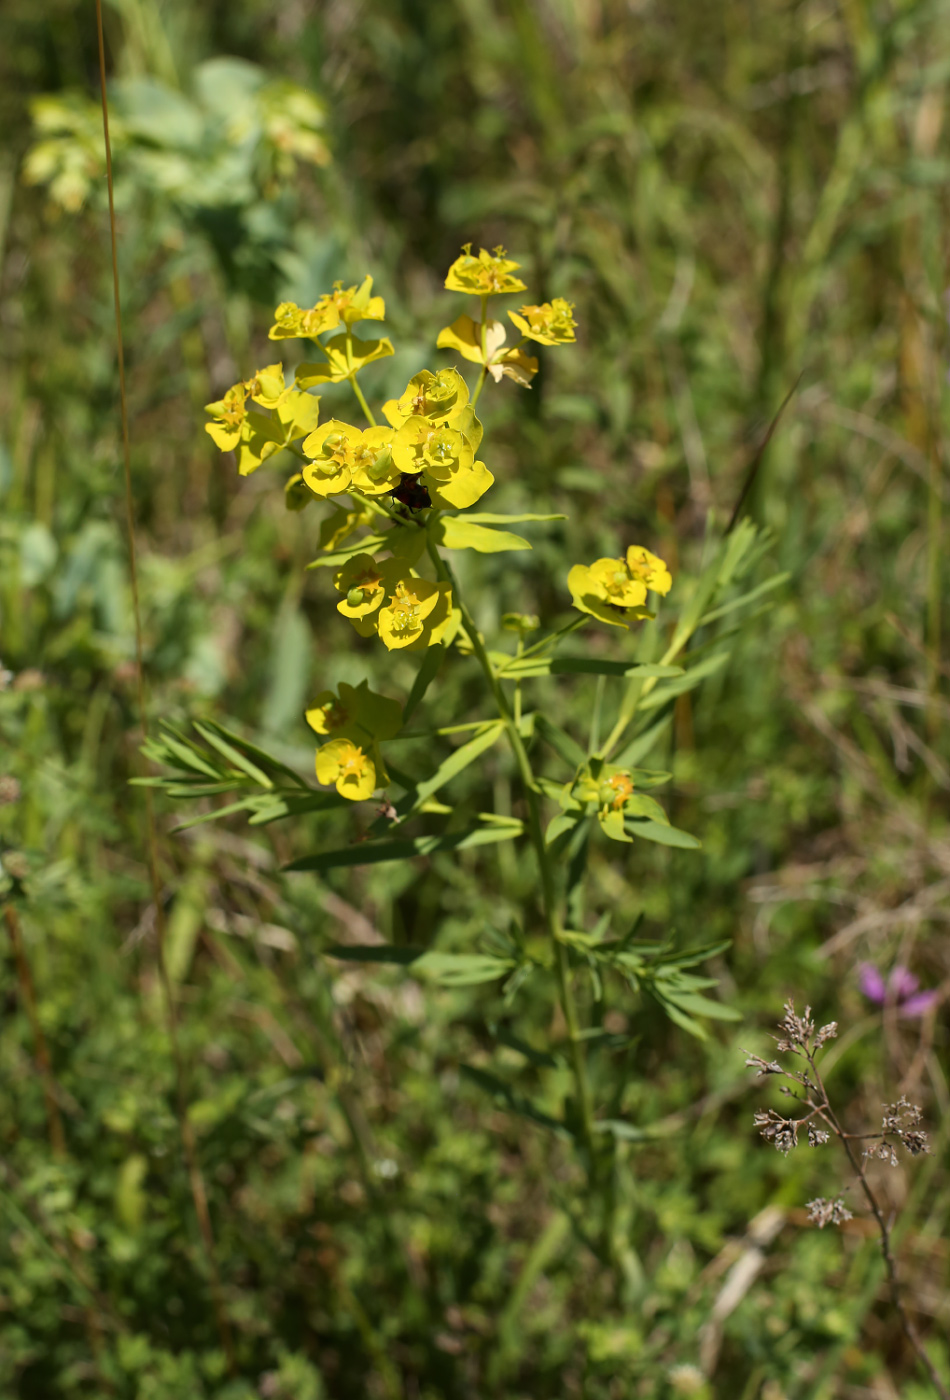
(377, 852)
(689, 680)
(460, 533)
(541, 665)
(663, 835)
(448, 969)
(456, 763)
(367, 544)
(487, 518)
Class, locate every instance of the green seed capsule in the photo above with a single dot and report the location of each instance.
(355, 597)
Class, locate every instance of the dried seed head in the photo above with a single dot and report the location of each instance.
(798, 1029)
(783, 1132)
(817, 1137)
(763, 1066)
(915, 1140)
(883, 1151)
(822, 1212)
(828, 1032)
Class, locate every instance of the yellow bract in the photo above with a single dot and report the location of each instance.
(344, 456)
(465, 336)
(358, 718)
(292, 322)
(612, 589)
(551, 323)
(650, 568)
(290, 414)
(488, 274)
(427, 395)
(344, 763)
(386, 597)
(364, 582)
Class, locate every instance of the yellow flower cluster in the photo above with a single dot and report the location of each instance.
(433, 436)
(483, 342)
(488, 274)
(552, 323)
(357, 719)
(290, 413)
(386, 597)
(345, 306)
(612, 589)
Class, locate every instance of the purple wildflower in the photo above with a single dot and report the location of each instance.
(900, 988)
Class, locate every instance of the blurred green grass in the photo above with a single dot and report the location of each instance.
(732, 198)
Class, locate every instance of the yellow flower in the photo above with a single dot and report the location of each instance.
(551, 323)
(357, 712)
(332, 447)
(402, 621)
(347, 765)
(612, 589)
(365, 583)
(344, 456)
(421, 446)
(489, 274)
(350, 305)
(648, 567)
(291, 413)
(358, 718)
(229, 414)
(427, 395)
(374, 470)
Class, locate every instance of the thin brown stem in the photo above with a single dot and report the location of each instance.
(189, 1148)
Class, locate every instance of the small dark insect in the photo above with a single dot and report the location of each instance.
(412, 493)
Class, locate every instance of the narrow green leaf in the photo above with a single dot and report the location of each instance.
(207, 732)
(369, 544)
(557, 826)
(770, 583)
(680, 1018)
(462, 969)
(523, 666)
(664, 835)
(456, 763)
(376, 852)
(255, 751)
(702, 1006)
(642, 744)
(683, 683)
(639, 805)
(483, 518)
(462, 534)
(562, 744)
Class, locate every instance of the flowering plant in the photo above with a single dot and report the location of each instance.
(401, 487)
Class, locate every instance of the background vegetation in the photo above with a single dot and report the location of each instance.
(734, 196)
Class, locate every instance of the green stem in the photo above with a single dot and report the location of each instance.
(352, 378)
(362, 400)
(550, 901)
(483, 328)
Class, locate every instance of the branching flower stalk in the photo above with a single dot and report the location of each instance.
(400, 491)
(900, 1129)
